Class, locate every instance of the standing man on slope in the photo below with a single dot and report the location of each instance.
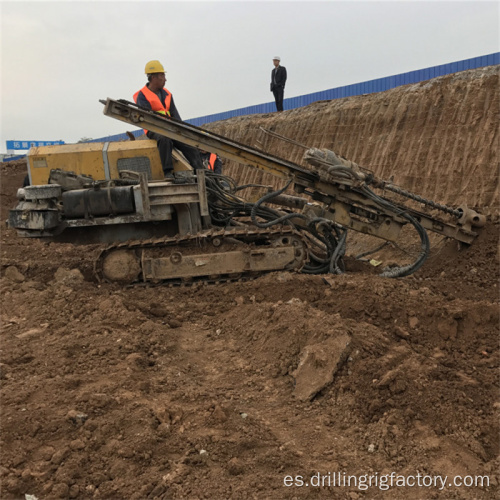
(278, 80)
(155, 97)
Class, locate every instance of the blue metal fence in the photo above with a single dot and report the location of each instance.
(117, 137)
(8, 158)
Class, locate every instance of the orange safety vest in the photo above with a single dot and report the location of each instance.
(211, 161)
(154, 100)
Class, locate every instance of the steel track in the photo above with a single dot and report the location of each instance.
(247, 235)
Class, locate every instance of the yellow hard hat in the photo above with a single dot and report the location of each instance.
(154, 67)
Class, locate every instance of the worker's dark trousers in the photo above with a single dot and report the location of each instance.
(165, 146)
(278, 97)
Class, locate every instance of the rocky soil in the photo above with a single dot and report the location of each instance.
(230, 390)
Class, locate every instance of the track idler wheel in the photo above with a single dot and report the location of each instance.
(122, 266)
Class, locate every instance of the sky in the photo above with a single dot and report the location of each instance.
(59, 58)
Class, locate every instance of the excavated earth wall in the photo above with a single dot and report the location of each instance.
(242, 390)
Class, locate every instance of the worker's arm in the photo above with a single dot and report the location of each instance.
(282, 77)
(142, 101)
(173, 110)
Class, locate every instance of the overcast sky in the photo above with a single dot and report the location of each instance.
(59, 58)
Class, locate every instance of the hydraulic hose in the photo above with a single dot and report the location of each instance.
(399, 272)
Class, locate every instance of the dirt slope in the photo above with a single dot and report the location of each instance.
(112, 392)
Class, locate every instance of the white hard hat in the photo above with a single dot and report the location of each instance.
(276, 58)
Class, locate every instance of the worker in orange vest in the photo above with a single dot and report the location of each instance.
(154, 96)
(211, 161)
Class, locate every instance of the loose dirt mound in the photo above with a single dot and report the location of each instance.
(223, 391)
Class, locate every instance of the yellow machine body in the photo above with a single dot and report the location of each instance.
(100, 160)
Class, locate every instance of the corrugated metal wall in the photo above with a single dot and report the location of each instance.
(118, 137)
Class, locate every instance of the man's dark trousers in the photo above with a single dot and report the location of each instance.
(165, 146)
(278, 97)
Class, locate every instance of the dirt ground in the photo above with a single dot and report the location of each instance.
(231, 391)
